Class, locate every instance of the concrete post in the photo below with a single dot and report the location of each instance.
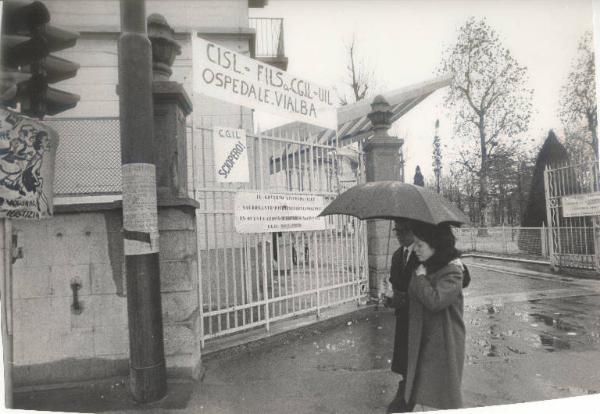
(383, 155)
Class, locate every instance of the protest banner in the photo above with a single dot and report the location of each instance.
(230, 76)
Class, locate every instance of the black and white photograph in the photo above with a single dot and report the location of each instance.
(303, 206)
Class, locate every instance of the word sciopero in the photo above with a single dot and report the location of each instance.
(235, 153)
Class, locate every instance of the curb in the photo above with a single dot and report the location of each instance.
(570, 273)
(507, 259)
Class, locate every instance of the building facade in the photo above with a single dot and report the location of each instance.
(77, 256)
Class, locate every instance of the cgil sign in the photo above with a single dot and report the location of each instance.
(224, 74)
(231, 155)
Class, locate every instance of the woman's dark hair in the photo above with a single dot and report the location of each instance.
(441, 239)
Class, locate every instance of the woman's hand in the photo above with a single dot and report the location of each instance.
(398, 300)
(441, 293)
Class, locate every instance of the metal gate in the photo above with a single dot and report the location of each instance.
(573, 241)
(251, 280)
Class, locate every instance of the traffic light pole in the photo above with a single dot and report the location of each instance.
(6, 303)
(140, 217)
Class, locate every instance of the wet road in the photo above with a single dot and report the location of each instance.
(530, 337)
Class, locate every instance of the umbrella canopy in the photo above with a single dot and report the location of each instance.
(393, 199)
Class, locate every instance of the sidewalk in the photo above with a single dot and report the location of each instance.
(531, 336)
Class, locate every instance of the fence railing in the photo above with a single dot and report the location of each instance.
(575, 241)
(248, 281)
(519, 241)
(572, 247)
(269, 36)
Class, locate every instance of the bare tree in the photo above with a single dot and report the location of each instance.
(360, 79)
(489, 99)
(578, 99)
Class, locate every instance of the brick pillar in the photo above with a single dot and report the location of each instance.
(176, 211)
(384, 162)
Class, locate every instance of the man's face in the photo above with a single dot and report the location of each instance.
(403, 233)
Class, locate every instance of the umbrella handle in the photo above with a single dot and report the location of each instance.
(387, 253)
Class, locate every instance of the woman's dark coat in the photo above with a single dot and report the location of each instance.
(400, 275)
(436, 338)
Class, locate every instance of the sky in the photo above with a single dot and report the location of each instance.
(403, 41)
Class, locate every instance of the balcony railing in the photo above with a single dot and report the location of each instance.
(269, 37)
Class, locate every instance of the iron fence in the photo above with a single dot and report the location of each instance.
(515, 241)
(251, 280)
(573, 240)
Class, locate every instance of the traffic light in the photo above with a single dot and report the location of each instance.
(27, 67)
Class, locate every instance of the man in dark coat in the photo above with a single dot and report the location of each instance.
(404, 262)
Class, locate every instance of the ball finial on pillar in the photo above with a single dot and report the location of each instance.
(164, 46)
(380, 116)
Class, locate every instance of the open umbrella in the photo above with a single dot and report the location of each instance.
(393, 199)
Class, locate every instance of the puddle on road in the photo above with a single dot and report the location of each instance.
(500, 337)
(537, 323)
(495, 332)
(547, 320)
(550, 343)
(556, 322)
(490, 308)
(492, 351)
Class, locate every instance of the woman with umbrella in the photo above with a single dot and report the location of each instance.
(436, 331)
(436, 336)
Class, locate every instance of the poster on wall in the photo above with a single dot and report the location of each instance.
(27, 154)
(140, 214)
(231, 155)
(261, 212)
(224, 74)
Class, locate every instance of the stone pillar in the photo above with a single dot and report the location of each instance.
(176, 211)
(383, 155)
(171, 107)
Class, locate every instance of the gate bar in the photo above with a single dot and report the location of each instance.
(265, 287)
